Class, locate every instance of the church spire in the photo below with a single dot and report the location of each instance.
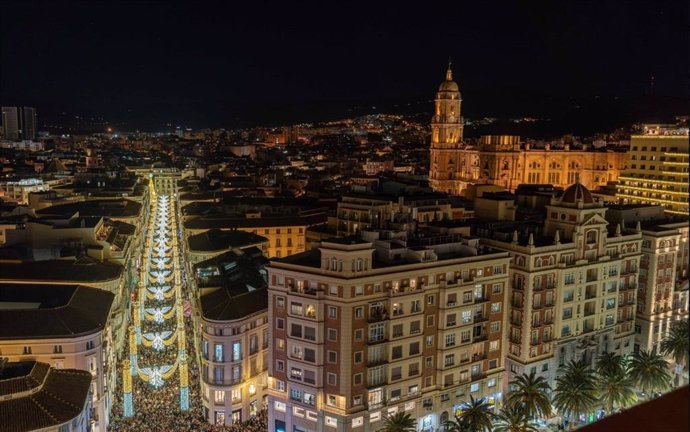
(449, 72)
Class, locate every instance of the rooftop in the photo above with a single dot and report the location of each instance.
(54, 396)
(82, 270)
(122, 208)
(220, 222)
(30, 311)
(666, 413)
(215, 239)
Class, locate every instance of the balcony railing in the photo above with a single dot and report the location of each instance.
(377, 315)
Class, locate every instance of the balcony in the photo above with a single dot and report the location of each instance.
(479, 338)
(478, 356)
(589, 312)
(377, 314)
(590, 294)
(516, 321)
(303, 290)
(480, 318)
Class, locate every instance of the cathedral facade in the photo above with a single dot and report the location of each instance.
(502, 160)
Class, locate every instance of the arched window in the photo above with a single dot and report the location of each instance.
(551, 261)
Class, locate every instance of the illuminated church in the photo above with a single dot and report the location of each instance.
(502, 160)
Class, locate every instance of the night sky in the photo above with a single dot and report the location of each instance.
(225, 64)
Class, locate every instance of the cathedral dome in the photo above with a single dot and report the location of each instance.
(449, 84)
(576, 192)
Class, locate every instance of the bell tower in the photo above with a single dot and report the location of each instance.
(446, 138)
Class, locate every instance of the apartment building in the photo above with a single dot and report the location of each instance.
(66, 327)
(573, 285)
(233, 319)
(658, 169)
(663, 280)
(286, 234)
(364, 327)
(362, 211)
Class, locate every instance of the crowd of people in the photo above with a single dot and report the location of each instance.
(158, 409)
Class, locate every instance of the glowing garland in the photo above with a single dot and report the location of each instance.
(159, 340)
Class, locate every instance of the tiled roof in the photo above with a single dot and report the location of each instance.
(63, 310)
(82, 270)
(61, 398)
(234, 222)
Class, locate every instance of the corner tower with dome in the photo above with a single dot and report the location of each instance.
(573, 285)
(451, 165)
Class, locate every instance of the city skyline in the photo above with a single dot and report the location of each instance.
(218, 66)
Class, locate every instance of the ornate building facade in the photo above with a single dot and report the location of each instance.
(453, 165)
(502, 160)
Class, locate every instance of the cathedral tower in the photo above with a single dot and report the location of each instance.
(448, 159)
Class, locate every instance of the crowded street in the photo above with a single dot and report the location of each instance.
(157, 374)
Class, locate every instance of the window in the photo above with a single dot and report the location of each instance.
(359, 312)
(280, 302)
(450, 340)
(332, 379)
(495, 307)
(430, 321)
(357, 400)
(219, 397)
(397, 352)
(474, 387)
(332, 335)
(429, 341)
(218, 353)
(358, 357)
(310, 333)
(493, 345)
(430, 300)
(236, 351)
(280, 323)
(397, 330)
(415, 327)
(496, 288)
(495, 326)
(332, 357)
(429, 362)
(357, 379)
(280, 344)
(280, 365)
(449, 360)
(414, 348)
(359, 335)
(332, 312)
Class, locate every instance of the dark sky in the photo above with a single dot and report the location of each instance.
(233, 63)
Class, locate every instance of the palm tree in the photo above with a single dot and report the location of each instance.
(677, 343)
(609, 363)
(649, 371)
(476, 415)
(532, 393)
(399, 422)
(579, 371)
(573, 397)
(513, 419)
(455, 426)
(616, 390)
